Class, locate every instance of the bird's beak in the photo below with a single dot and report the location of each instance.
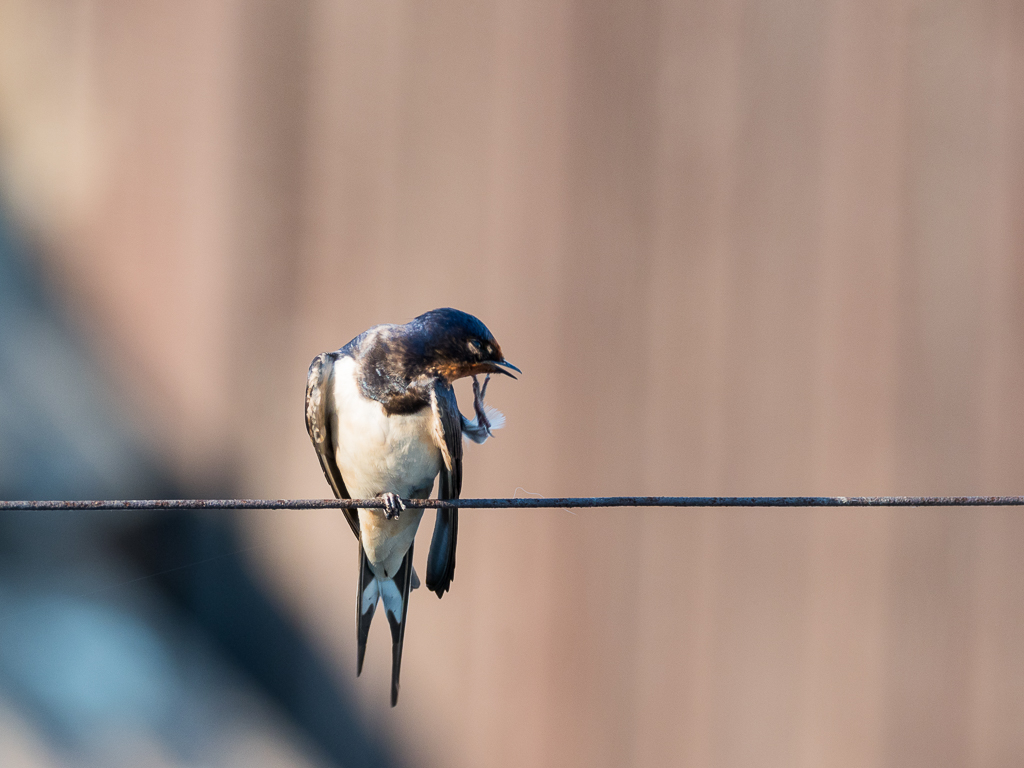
(499, 366)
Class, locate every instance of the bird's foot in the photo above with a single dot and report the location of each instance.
(393, 505)
(478, 405)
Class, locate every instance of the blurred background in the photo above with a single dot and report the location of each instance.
(737, 247)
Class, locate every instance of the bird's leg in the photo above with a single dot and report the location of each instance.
(478, 404)
(393, 505)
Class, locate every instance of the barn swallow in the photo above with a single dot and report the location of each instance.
(383, 417)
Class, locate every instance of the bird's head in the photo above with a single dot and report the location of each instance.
(459, 345)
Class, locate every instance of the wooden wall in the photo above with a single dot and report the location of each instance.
(736, 247)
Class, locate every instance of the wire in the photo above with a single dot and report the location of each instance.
(527, 503)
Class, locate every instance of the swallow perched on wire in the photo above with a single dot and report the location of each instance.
(382, 414)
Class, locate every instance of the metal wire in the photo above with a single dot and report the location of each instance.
(529, 503)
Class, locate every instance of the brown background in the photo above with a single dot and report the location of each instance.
(736, 247)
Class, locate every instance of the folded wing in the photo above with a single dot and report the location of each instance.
(318, 424)
(448, 436)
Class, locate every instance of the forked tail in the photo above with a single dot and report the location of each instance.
(395, 594)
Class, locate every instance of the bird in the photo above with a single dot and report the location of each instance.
(382, 414)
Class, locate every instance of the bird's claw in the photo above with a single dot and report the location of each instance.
(393, 505)
(478, 404)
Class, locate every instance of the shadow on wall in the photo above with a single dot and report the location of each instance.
(119, 630)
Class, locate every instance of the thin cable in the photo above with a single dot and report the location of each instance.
(527, 503)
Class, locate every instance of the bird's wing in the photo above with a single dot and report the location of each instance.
(318, 424)
(448, 437)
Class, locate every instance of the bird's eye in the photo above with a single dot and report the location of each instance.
(474, 346)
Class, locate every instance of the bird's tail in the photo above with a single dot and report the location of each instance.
(395, 594)
(441, 557)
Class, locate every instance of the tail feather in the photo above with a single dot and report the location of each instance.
(441, 557)
(397, 612)
(366, 604)
(395, 594)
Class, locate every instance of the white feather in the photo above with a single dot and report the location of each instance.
(472, 429)
(496, 417)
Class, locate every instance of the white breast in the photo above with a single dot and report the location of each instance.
(378, 453)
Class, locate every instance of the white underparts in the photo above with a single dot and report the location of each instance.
(378, 453)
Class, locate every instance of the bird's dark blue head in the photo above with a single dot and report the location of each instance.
(458, 344)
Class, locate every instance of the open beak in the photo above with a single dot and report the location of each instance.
(499, 366)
